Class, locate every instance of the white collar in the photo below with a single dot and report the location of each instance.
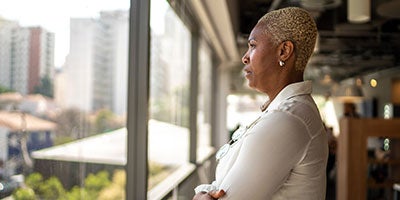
(291, 90)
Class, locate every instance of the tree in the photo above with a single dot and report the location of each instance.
(116, 190)
(34, 180)
(106, 121)
(51, 189)
(46, 87)
(37, 188)
(5, 89)
(76, 193)
(72, 124)
(181, 96)
(96, 182)
(25, 194)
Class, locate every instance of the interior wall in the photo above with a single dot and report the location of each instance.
(383, 91)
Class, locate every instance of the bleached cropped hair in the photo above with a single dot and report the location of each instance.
(292, 24)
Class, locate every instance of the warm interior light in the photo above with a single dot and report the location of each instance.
(358, 11)
(326, 80)
(373, 83)
(349, 90)
(359, 82)
(349, 93)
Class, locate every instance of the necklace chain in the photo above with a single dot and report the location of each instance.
(239, 133)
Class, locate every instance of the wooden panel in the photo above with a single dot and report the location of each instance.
(352, 162)
(395, 91)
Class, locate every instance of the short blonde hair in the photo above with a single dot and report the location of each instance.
(292, 24)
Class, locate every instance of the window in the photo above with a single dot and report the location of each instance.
(169, 92)
(63, 98)
(63, 91)
(204, 101)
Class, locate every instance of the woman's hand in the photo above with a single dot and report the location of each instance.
(212, 195)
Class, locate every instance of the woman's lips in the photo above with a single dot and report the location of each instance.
(247, 74)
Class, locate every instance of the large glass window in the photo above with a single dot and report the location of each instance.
(204, 101)
(243, 109)
(169, 92)
(63, 91)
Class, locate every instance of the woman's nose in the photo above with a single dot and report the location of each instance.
(245, 59)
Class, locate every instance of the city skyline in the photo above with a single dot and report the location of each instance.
(55, 16)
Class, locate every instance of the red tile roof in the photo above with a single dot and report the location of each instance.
(10, 96)
(15, 120)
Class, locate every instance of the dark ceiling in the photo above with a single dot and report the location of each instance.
(345, 49)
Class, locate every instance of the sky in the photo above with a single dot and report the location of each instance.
(54, 16)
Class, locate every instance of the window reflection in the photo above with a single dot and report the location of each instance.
(204, 101)
(169, 91)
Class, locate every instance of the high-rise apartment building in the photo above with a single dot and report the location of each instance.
(96, 69)
(27, 56)
(6, 33)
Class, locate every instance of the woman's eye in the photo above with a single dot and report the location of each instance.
(251, 45)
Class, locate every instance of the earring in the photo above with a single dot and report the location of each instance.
(281, 63)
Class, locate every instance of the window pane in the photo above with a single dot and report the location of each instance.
(169, 92)
(204, 101)
(63, 91)
(243, 109)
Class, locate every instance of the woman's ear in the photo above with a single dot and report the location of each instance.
(286, 49)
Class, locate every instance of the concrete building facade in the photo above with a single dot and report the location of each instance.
(27, 56)
(95, 72)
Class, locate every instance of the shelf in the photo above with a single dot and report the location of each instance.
(372, 184)
(353, 161)
(385, 161)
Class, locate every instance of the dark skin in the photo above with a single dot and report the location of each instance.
(264, 74)
(209, 195)
(262, 67)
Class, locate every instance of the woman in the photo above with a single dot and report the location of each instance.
(282, 154)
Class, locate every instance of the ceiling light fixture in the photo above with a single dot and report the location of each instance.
(389, 9)
(318, 4)
(358, 11)
(373, 83)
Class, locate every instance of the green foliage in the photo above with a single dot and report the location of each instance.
(157, 173)
(77, 193)
(46, 87)
(160, 109)
(51, 189)
(63, 139)
(5, 89)
(119, 178)
(182, 95)
(155, 168)
(72, 123)
(94, 183)
(116, 190)
(97, 186)
(172, 107)
(106, 121)
(24, 194)
(36, 186)
(34, 181)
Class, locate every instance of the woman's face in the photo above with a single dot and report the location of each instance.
(261, 60)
